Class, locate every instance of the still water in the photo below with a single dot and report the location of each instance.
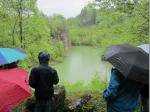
(82, 63)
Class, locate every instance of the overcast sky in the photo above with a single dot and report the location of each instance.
(67, 8)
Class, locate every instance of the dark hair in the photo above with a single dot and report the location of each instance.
(44, 56)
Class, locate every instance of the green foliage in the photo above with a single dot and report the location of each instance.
(14, 14)
(97, 84)
(84, 36)
(97, 102)
(57, 25)
(54, 47)
(22, 25)
(116, 22)
(112, 22)
(87, 16)
(100, 24)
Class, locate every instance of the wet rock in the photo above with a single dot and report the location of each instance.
(79, 103)
(59, 98)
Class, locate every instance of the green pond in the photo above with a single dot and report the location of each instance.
(82, 63)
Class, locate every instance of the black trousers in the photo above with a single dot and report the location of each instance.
(43, 106)
(145, 104)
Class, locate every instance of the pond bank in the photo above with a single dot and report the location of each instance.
(85, 101)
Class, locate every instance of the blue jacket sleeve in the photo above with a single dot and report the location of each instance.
(111, 90)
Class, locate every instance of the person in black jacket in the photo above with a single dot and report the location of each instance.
(42, 78)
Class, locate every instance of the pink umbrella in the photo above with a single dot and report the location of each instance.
(14, 88)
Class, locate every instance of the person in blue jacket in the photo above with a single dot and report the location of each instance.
(122, 94)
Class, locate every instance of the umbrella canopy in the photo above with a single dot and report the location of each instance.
(8, 55)
(14, 88)
(145, 47)
(20, 50)
(132, 62)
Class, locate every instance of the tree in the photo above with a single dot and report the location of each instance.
(87, 16)
(58, 26)
(17, 11)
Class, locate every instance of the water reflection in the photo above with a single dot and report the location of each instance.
(81, 64)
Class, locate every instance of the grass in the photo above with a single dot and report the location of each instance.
(97, 84)
(96, 103)
(94, 88)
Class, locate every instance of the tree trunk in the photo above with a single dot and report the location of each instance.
(20, 23)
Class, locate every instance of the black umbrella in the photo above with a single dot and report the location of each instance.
(131, 61)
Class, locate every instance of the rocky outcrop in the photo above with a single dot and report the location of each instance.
(67, 40)
(76, 106)
(59, 98)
